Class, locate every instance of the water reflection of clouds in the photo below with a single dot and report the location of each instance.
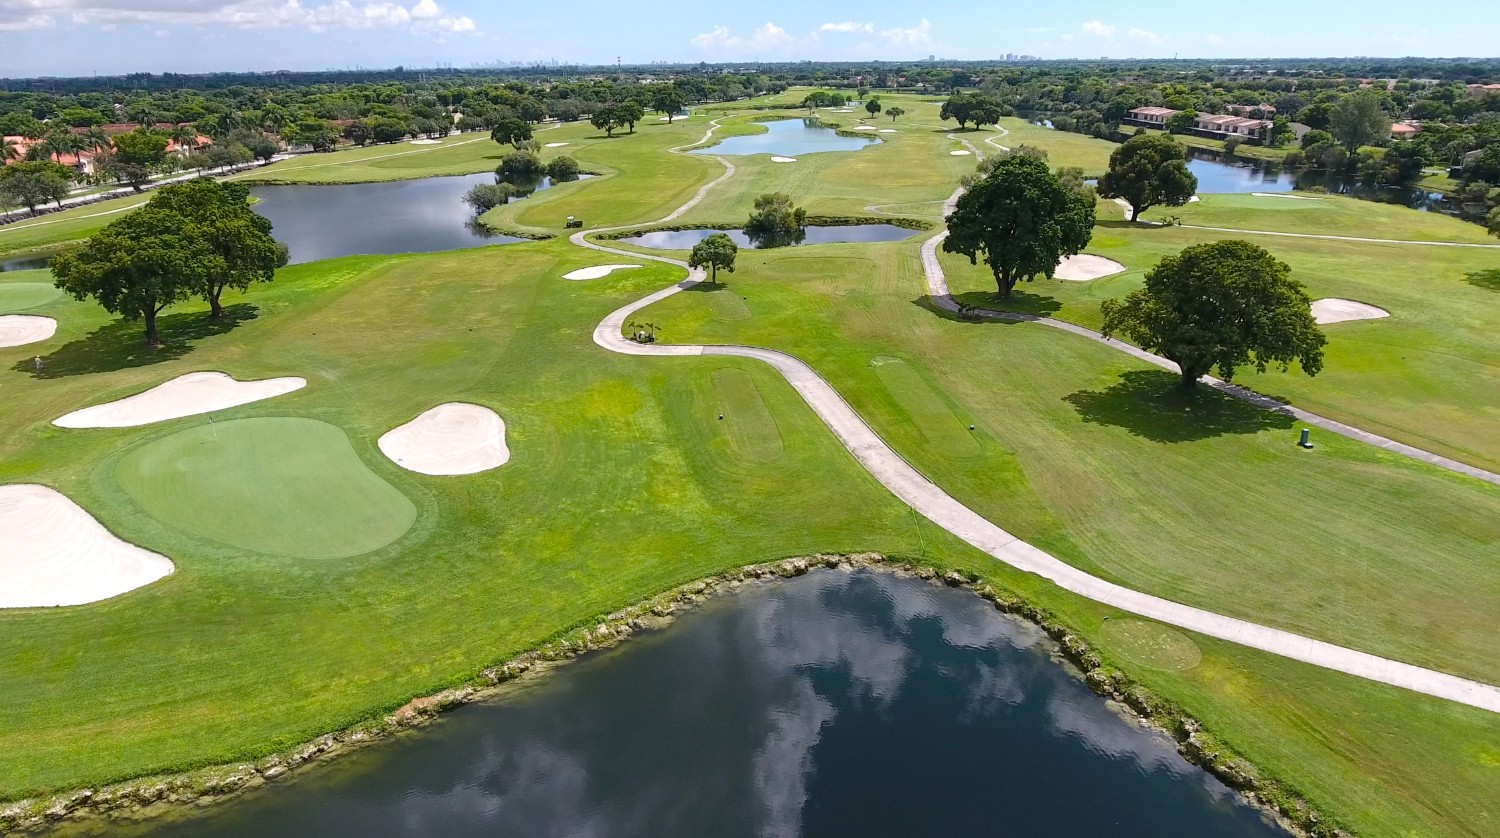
(1092, 723)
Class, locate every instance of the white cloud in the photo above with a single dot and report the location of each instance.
(768, 39)
(847, 26)
(1098, 30)
(1213, 39)
(425, 16)
(1149, 37)
(917, 36)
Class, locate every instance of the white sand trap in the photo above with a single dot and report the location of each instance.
(783, 159)
(1335, 310)
(1083, 267)
(888, 130)
(452, 438)
(52, 552)
(963, 152)
(864, 128)
(554, 145)
(21, 329)
(1286, 195)
(597, 271)
(185, 395)
(424, 142)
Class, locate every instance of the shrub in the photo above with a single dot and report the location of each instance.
(487, 196)
(562, 168)
(520, 163)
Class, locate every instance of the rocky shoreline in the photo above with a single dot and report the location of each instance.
(156, 796)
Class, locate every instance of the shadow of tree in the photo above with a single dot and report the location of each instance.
(925, 302)
(122, 345)
(1020, 301)
(1488, 279)
(1150, 404)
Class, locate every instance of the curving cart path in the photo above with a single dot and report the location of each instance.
(929, 499)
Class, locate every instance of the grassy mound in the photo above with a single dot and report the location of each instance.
(286, 486)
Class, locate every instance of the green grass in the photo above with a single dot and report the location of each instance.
(285, 486)
(624, 481)
(1091, 456)
(1064, 148)
(1428, 375)
(26, 294)
(60, 228)
(1326, 215)
(458, 154)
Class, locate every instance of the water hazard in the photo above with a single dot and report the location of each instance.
(834, 704)
(861, 233)
(788, 138)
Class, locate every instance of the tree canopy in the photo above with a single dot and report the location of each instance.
(668, 100)
(138, 265)
(1220, 306)
(1022, 219)
(716, 251)
(510, 130)
(32, 183)
(1358, 120)
(776, 221)
(1147, 170)
(220, 213)
(971, 106)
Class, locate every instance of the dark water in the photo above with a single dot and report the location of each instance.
(24, 263)
(790, 137)
(1237, 175)
(685, 239)
(835, 704)
(406, 216)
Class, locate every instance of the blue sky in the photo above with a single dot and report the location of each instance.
(80, 37)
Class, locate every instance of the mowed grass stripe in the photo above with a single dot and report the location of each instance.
(285, 486)
(747, 423)
(928, 409)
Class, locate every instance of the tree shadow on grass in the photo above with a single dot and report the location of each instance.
(1022, 302)
(1151, 404)
(1488, 279)
(122, 345)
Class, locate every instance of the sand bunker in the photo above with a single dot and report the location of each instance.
(888, 130)
(783, 159)
(596, 272)
(963, 152)
(1083, 267)
(21, 329)
(424, 142)
(185, 395)
(52, 552)
(554, 145)
(1284, 195)
(453, 438)
(1335, 310)
(864, 128)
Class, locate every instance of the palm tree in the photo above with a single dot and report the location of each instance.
(95, 140)
(225, 122)
(185, 135)
(142, 113)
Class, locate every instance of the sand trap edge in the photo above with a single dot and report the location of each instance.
(128, 412)
(477, 446)
(1331, 310)
(596, 272)
(21, 329)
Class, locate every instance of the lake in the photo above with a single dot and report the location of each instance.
(24, 263)
(403, 216)
(788, 138)
(1239, 175)
(834, 704)
(862, 233)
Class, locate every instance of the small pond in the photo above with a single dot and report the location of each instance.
(863, 233)
(404, 216)
(788, 138)
(833, 704)
(1237, 175)
(31, 262)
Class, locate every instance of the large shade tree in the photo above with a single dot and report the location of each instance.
(240, 237)
(1021, 219)
(138, 265)
(34, 182)
(776, 221)
(1220, 306)
(716, 251)
(1148, 170)
(1359, 119)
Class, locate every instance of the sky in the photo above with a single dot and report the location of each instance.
(85, 37)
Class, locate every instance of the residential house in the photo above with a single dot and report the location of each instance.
(1480, 90)
(1405, 130)
(1149, 117)
(1224, 126)
(1265, 109)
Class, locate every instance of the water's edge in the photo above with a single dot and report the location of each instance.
(154, 796)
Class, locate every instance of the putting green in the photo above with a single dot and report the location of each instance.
(286, 486)
(1152, 644)
(928, 409)
(19, 296)
(748, 424)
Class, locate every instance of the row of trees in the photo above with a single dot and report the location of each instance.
(193, 239)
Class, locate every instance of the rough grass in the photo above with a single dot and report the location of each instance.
(286, 486)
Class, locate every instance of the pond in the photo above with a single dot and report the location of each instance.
(32, 262)
(788, 138)
(404, 216)
(862, 233)
(1237, 175)
(833, 704)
